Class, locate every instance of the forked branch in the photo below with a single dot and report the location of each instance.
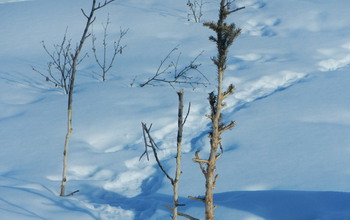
(104, 62)
(182, 214)
(201, 163)
(168, 72)
(195, 7)
(150, 143)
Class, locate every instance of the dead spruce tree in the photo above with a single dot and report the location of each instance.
(225, 34)
(90, 18)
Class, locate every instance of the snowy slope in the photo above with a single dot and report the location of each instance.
(287, 158)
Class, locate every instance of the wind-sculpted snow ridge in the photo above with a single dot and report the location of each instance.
(261, 88)
(340, 57)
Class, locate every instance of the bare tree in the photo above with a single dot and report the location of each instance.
(60, 66)
(150, 143)
(225, 34)
(195, 8)
(168, 72)
(90, 18)
(103, 62)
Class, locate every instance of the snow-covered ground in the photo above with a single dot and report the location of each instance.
(286, 159)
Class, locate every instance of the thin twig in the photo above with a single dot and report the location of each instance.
(200, 163)
(182, 214)
(72, 193)
(196, 198)
(105, 65)
(169, 73)
(154, 147)
(188, 112)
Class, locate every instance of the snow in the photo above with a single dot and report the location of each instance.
(286, 159)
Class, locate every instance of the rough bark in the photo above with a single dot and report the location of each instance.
(180, 124)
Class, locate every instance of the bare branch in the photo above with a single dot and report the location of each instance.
(72, 193)
(153, 145)
(59, 67)
(227, 127)
(215, 180)
(169, 73)
(82, 10)
(196, 198)
(182, 214)
(188, 112)
(103, 63)
(145, 141)
(200, 162)
(159, 72)
(237, 9)
(103, 5)
(195, 8)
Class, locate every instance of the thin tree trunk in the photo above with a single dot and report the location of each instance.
(69, 131)
(214, 142)
(65, 159)
(224, 37)
(75, 58)
(180, 123)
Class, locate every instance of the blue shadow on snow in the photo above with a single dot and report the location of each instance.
(289, 205)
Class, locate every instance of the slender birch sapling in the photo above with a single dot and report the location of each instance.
(90, 18)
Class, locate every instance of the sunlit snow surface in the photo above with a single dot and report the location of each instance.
(286, 159)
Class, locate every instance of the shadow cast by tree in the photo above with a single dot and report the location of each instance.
(289, 205)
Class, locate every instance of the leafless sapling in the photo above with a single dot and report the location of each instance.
(90, 18)
(150, 143)
(103, 62)
(195, 7)
(225, 34)
(168, 72)
(59, 68)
